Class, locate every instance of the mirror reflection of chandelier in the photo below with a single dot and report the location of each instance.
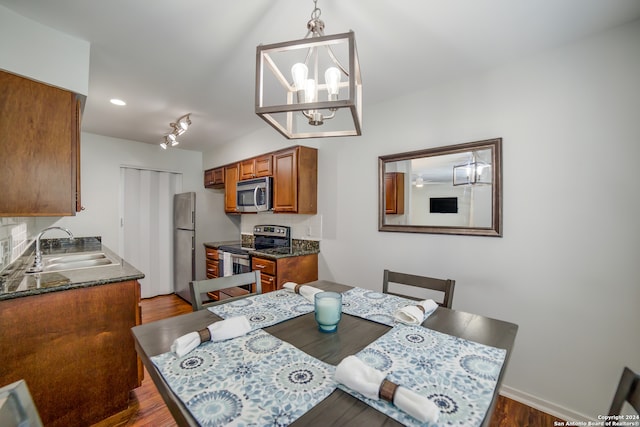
(310, 88)
(473, 172)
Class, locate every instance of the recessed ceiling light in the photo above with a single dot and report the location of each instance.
(116, 101)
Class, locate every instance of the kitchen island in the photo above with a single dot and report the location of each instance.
(68, 334)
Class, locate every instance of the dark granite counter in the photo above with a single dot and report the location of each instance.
(216, 245)
(279, 253)
(298, 248)
(16, 283)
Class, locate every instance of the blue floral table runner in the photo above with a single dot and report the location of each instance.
(260, 380)
(458, 375)
(266, 309)
(253, 380)
(374, 306)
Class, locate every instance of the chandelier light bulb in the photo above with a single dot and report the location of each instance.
(310, 91)
(332, 78)
(299, 71)
(163, 145)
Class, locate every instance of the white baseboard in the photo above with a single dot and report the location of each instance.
(543, 405)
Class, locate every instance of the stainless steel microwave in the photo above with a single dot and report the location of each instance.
(254, 195)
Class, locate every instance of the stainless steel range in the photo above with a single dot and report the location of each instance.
(274, 238)
(269, 239)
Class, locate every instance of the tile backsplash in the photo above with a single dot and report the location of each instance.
(14, 239)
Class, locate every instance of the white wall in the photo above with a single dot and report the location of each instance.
(53, 57)
(566, 270)
(102, 157)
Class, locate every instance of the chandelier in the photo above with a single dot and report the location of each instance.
(179, 127)
(290, 94)
(475, 171)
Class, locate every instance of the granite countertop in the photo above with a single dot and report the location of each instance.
(216, 245)
(298, 248)
(16, 283)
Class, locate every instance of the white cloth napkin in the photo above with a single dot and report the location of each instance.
(357, 375)
(309, 292)
(223, 330)
(412, 315)
(227, 264)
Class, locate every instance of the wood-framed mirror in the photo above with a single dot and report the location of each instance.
(456, 189)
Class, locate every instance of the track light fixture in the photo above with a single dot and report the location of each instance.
(179, 127)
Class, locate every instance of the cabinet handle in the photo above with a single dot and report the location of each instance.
(260, 266)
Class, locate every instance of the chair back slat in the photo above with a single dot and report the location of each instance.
(628, 391)
(446, 286)
(198, 288)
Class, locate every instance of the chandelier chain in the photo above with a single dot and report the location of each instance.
(315, 14)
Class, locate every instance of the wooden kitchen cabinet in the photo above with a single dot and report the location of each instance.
(231, 174)
(74, 349)
(276, 272)
(267, 269)
(394, 193)
(213, 262)
(214, 178)
(256, 167)
(40, 140)
(295, 180)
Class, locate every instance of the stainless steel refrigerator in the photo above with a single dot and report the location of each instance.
(184, 243)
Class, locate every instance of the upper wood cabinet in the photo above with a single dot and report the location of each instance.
(256, 167)
(40, 145)
(230, 183)
(214, 178)
(394, 193)
(295, 180)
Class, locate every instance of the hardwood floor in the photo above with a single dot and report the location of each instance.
(148, 409)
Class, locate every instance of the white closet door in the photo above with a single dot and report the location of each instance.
(147, 226)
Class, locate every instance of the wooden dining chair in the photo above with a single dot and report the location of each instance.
(198, 288)
(628, 391)
(445, 286)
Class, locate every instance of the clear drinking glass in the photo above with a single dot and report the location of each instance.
(328, 308)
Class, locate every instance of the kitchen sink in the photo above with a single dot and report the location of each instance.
(75, 261)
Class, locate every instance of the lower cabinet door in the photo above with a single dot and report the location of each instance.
(268, 283)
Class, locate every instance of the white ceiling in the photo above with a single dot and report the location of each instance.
(171, 57)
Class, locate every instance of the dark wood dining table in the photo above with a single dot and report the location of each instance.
(354, 334)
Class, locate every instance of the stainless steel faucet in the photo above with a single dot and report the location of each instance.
(37, 262)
